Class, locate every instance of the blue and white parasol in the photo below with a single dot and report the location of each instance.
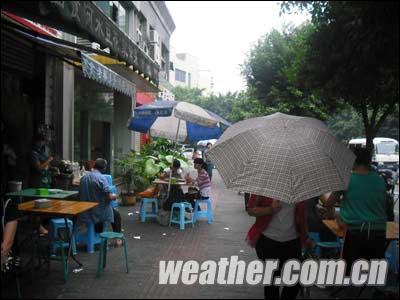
(178, 121)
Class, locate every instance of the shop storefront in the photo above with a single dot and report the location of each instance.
(22, 103)
(103, 101)
(82, 110)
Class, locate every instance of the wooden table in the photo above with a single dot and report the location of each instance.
(392, 229)
(31, 193)
(392, 233)
(63, 209)
(58, 208)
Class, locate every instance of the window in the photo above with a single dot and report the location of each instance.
(122, 19)
(387, 148)
(114, 13)
(171, 65)
(180, 75)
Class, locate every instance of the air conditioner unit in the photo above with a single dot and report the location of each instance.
(144, 48)
(139, 36)
(154, 37)
(155, 53)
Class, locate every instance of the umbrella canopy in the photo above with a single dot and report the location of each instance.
(284, 157)
(162, 119)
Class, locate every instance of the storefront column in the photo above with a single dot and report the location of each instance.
(122, 135)
(59, 105)
(68, 112)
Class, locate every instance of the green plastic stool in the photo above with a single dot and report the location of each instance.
(60, 244)
(104, 237)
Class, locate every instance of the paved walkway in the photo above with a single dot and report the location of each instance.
(223, 238)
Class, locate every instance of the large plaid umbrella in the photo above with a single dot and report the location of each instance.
(284, 157)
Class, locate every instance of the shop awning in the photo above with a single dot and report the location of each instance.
(98, 72)
(85, 19)
(91, 68)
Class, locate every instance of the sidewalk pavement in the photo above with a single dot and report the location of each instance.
(223, 238)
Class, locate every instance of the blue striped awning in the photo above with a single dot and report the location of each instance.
(101, 74)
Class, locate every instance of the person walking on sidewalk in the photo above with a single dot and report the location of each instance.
(210, 165)
(279, 232)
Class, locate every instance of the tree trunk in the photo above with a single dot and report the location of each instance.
(370, 135)
(369, 130)
(372, 126)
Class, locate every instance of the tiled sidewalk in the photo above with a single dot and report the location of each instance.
(223, 238)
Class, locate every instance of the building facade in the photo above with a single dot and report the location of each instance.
(80, 85)
(185, 71)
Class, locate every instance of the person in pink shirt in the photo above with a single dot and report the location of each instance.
(203, 180)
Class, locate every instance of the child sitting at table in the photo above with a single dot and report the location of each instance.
(202, 181)
(176, 193)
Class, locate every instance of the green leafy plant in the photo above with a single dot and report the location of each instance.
(138, 170)
(129, 168)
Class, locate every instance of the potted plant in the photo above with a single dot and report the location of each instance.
(138, 170)
(130, 170)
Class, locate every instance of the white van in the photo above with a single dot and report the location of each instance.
(386, 151)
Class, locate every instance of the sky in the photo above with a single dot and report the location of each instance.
(221, 33)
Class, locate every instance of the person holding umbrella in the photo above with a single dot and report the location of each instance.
(279, 232)
(286, 158)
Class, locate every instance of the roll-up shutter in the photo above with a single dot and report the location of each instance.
(17, 55)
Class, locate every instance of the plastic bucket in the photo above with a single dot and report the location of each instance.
(42, 192)
(14, 186)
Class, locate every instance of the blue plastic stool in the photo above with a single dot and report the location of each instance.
(326, 245)
(114, 203)
(90, 238)
(392, 255)
(143, 208)
(105, 236)
(203, 213)
(55, 226)
(181, 220)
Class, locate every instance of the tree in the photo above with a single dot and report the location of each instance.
(346, 124)
(191, 95)
(353, 57)
(271, 70)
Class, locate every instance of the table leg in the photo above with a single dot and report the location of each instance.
(70, 253)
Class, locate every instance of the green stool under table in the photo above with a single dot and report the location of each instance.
(104, 237)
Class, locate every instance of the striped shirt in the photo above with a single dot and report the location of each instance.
(204, 183)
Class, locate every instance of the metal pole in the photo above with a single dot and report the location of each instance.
(170, 173)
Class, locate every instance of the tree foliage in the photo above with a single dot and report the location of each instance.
(353, 57)
(272, 73)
